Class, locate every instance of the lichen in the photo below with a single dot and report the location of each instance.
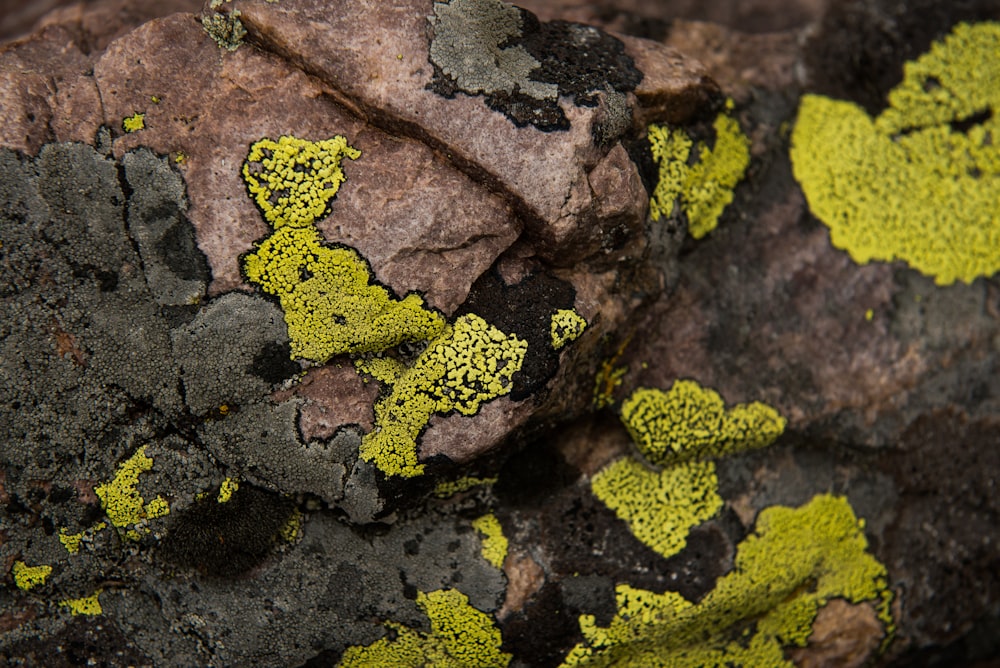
(88, 605)
(796, 560)
(470, 363)
(660, 507)
(691, 422)
(522, 65)
(28, 577)
(921, 181)
(460, 637)
(566, 325)
(293, 180)
(121, 501)
(449, 488)
(331, 302)
(226, 490)
(134, 123)
(698, 181)
(494, 542)
(225, 29)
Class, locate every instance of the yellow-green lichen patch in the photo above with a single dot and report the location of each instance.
(494, 542)
(701, 185)
(330, 302)
(121, 500)
(134, 123)
(460, 637)
(225, 29)
(565, 326)
(921, 182)
(470, 363)
(73, 541)
(226, 489)
(293, 180)
(28, 577)
(88, 605)
(449, 488)
(662, 507)
(796, 560)
(691, 422)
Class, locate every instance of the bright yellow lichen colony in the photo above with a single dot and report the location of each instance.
(921, 182)
(494, 542)
(565, 325)
(28, 577)
(470, 363)
(460, 637)
(796, 560)
(122, 502)
(701, 190)
(679, 431)
(331, 303)
(691, 422)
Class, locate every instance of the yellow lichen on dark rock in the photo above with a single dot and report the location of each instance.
(921, 181)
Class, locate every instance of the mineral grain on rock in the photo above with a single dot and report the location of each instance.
(445, 333)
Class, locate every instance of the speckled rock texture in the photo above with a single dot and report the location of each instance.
(182, 482)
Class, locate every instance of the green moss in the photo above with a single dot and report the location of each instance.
(921, 182)
(330, 302)
(690, 422)
(660, 507)
(701, 185)
(27, 577)
(460, 637)
(494, 542)
(293, 180)
(88, 605)
(566, 325)
(796, 561)
(134, 123)
(470, 363)
(122, 502)
(448, 488)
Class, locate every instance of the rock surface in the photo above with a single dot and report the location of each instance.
(177, 461)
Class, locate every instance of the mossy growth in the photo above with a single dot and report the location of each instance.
(697, 180)
(88, 605)
(460, 637)
(470, 363)
(121, 501)
(795, 562)
(660, 507)
(134, 123)
(494, 542)
(691, 422)
(28, 577)
(566, 325)
(921, 181)
(293, 180)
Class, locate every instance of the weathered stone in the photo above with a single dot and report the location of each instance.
(177, 457)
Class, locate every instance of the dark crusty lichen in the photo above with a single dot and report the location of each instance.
(522, 65)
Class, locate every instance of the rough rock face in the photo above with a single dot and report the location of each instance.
(346, 334)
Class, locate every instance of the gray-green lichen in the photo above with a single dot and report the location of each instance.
(469, 46)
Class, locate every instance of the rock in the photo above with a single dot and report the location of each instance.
(349, 334)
